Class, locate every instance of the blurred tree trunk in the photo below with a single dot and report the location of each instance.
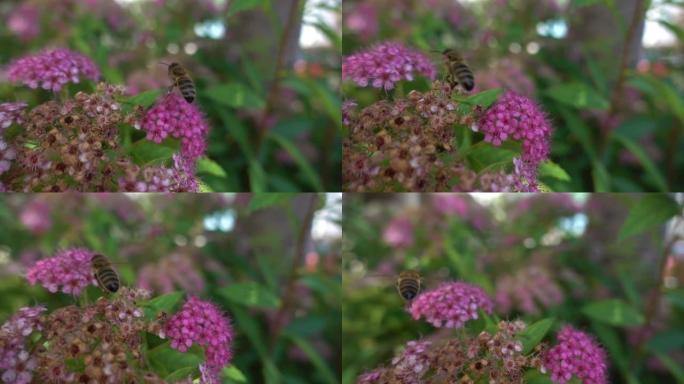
(599, 32)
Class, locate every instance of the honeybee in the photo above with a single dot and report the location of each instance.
(104, 273)
(180, 78)
(458, 73)
(408, 284)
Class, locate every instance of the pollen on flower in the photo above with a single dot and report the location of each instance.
(52, 69)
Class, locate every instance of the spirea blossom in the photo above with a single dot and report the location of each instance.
(24, 22)
(68, 271)
(203, 323)
(385, 65)
(11, 113)
(16, 364)
(7, 154)
(399, 233)
(450, 204)
(518, 118)
(173, 116)
(36, 216)
(451, 304)
(412, 362)
(52, 69)
(363, 20)
(576, 355)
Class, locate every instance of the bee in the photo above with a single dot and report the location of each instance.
(458, 72)
(408, 284)
(104, 273)
(180, 78)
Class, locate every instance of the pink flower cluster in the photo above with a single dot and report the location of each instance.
(203, 323)
(10, 113)
(578, 355)
(516, 117)
(24, 22)
(450, 204)
(385, 65)
(399, 233)
(175, 117)
(413, 361)
(36, 216)
(451, 304)
(362, 19)
(68, 271)
(15, 362)
(52, 69)
(7, 154)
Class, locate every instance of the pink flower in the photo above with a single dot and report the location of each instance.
(7, 154)
(175, 117)
(203, 323)
(24, 22)
(576, 354)
(385, 65)
(36, 216)
(15, 362)
(179, 178)
(370, 377)
(413, 361)
(525, 176)
(399, 233)
(518, 118)
(10, 113)
(68, 271)
(451, 304)
(52, 69)
(450, 204)
(363, 20)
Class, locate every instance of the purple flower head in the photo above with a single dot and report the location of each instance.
(175, 117)
(519, 118)
(370, 377)
(386, 64)
(450, 204)
(576, 354)
(7, 154)
(52, 69)
(36, 216)
(413, 361)
(68, 271)
(399, 233)
(15, 361)
(451, 304)
(363, 20)
(203, 323)
(525, 176)
(24, 22)
(10, 113)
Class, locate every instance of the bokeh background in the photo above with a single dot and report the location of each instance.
(604, 263)
(271, 261)
(266, 72)
(617, 107)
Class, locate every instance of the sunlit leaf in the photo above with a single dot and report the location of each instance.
(233, 374)
(649, 212)
(235, 95)
(208, 166)
(578, 95)
(550, 169)
(614, 312)
(533, 334)
(250, 294)
(649, 166)
(259, 201)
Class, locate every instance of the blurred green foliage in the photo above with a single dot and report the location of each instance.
(270, 130)
(616, 281)
(256, 256)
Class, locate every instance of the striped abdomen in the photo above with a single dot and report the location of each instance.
(106, 276)
(408, 285)
(180, 79)
(462, 73)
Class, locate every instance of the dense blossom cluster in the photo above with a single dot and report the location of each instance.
(68, 271)
(576, 355)
(172, 116)
(16, 364)
(399, 232)
(528, 289)
(74, 145)
(35, 216)
(489, 357)
(203, 323)
(385, 65)
(451, 305)
(52, 69)
(409, 144)
(11, 113)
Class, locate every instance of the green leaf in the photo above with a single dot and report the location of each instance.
(267, 200)
(250, 294)
(181, 374)
(322, 368)
(614, 312)
(146, 98)
(578, 95)
(601, 178)
(536, 377)
(243, 5)
(233, 374)
(648, 164)
(235, 95)
(649, 212)
(674, 367)
(485, 155)
(208, 166)
(148, 152)
(550, 169)
(666, 341)
(533, 334)
(257, 177)
(304, 165)
(164, 303)
(166, 360)
(483, 99)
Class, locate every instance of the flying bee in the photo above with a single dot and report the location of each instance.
(180, 78)
(104, 273)
(458, 73)
(408, 284)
